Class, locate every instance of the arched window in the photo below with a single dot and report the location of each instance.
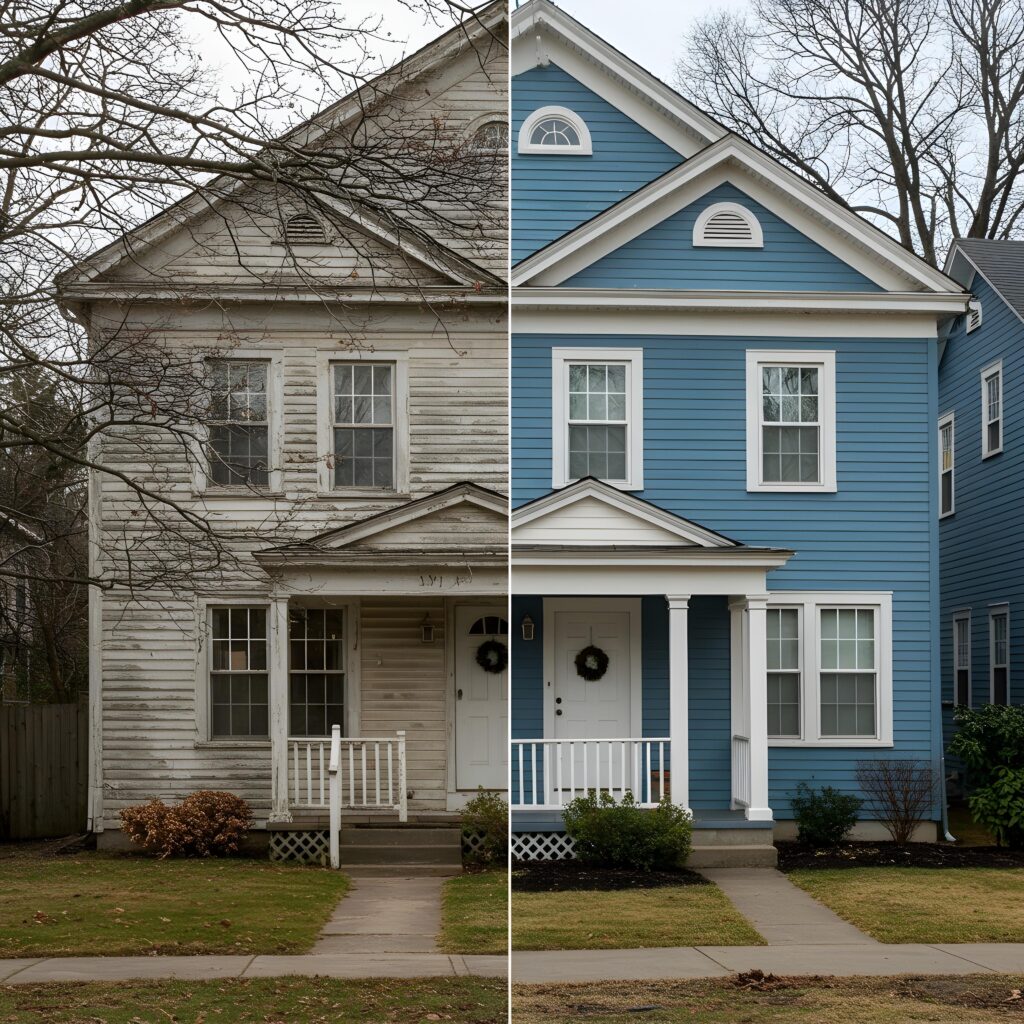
(304, 229)
(728, 225)
(489, 625)
(555, 130)
(491, 137)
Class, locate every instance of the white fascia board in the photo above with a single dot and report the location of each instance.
(638, 556)
(865, 248)
(542, 33)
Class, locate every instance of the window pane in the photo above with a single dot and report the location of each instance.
(790, 454)
(238, 677)
(848, 704)
(364, 457)
(554, 131)
(598, 451)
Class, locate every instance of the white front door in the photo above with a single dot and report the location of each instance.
(481, 699)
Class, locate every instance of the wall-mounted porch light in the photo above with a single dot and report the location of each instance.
(528, 627)
(426, 630)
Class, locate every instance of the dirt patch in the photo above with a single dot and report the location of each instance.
(916, 855)
(975, 994)
(757, 981)
(571, 875)
(40, 848)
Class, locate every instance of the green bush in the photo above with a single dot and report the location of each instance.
(824, 817)
(486, 816)
(990, 743)
(610, 835)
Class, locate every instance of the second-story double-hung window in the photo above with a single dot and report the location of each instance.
(947, 459)
(992, 410)
(363, 423)
(239, 427)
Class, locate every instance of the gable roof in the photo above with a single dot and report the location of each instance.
(461, 271)
(999, 261)
(865, 247)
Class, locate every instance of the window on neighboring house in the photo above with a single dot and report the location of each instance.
(555, 130)
(784, 672)
(316, 671)
(598, 416)
(239, 423)
(830, 669)
(363, 424)
(962, 659)
(727, 226)
(992, 410)
(947, 456)
(491, 137)
(791, 421)
(238, 672)
(999, 654)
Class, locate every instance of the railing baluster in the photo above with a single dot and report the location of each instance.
(622, 769)
(647, 759)
(661, 770)
(309, 773)
(533, 771)
(362, 759)
(572, 770)
(391, 788)
(586, 767)
(351, 774)
(323, 793)
(558, 757)
(295, 773)
(376, 770)
(522, 782)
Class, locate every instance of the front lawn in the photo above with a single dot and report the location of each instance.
(258, 1000)
(971, 999)
(929, 905)
(95, 904)
(686, 915)
(475, 913)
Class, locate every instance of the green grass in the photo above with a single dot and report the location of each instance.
(971, 999)
(688, 915)
(258, 1001)
(107, 905)
(475, 913)
(924, 904)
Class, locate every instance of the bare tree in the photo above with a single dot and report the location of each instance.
(109, 115)
(909, 111)
(900, 792)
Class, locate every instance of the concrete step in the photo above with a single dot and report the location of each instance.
(407, 854)
(732, 837)
(409, 870)
(733, 856)
(401, 836)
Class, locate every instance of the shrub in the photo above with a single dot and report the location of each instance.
(899, 792)
(205, 823)
(990, 743)
(824, 817)
(623, 835)
(486, 815)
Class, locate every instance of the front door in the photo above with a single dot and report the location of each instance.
(481, 698)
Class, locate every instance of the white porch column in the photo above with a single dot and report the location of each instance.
(757, 688)
(679, 697)
(278, 626)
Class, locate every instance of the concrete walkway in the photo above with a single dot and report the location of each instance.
(783, 914)
(385, 915)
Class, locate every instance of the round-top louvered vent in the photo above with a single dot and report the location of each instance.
(727, 227)
(304, 229)
(728, 224)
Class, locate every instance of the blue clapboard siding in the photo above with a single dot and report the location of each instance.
(554, 194)
(876, 533)
(982, 556)
(664, 257)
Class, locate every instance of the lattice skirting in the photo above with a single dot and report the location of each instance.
(471, 842)
(307, 847)
(542, 846)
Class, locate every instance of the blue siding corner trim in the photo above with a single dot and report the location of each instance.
(554, 194)
(664, 257)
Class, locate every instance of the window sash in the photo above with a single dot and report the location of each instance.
(999, 646)
(962, 660)
(992, 412)
(239, 672)
(239, 423)
(363, 424)
(852, 662)
(947, 462)
(598, 419)
(785, 672)
(317, 671)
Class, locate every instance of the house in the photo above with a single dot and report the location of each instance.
(353, 460)
(724, 464)
(980, 468)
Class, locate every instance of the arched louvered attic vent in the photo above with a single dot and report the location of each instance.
(728, 225)
(973, 315)
(304, 229)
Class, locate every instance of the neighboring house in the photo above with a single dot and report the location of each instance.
(981, 466)
(357, 443)
(724, 464)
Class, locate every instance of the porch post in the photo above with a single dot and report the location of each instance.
(679, 699)
(757, 688)
(279, 810)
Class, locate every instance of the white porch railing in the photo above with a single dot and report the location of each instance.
(370, 772)
(740, 771)
(547, 774)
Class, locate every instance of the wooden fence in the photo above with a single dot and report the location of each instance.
(44, 766)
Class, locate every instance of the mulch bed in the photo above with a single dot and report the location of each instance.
(916, 855)
(572, 876)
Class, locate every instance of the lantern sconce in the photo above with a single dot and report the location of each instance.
(528, 627)
(426, 630)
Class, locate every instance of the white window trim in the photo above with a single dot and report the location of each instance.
(963, 616)
(560, 360)
(825, 362)
(1001, 608)
(757, 236)
(950, 419)
(325, 424)
(478, 122)
(585, 147)
(201, 484)
(991, 370)
(810, 696)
